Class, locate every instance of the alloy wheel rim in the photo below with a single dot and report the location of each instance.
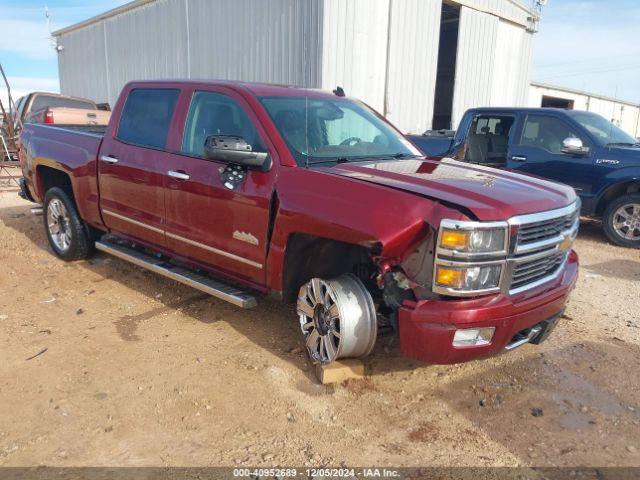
(626, 221)
(58, 222)
(320, 321)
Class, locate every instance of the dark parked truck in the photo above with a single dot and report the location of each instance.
(242, 189)
(581, 149)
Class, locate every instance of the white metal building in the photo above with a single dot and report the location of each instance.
(397, 55)
(625, 115)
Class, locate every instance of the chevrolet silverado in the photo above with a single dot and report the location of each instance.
(241, 189)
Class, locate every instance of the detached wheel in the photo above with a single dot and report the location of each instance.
(65, 229)
(621, 221)
(338, 318)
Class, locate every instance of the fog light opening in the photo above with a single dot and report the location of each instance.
(473, 337)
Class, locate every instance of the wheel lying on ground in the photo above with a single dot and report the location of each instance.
(338, 318)
(621, 221)
(65, 229)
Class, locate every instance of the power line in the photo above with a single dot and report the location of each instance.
(597, 59)
(591, 72)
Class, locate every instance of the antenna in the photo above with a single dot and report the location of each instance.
(52, 41)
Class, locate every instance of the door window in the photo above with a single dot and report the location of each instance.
(213, 113)
(547, 133)
(146, 116)
(488, 139)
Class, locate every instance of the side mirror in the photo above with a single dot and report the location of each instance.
(234, 150)
(574, 146)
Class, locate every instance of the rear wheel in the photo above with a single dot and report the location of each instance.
(65, 230)
(338, 318)
(621, 221)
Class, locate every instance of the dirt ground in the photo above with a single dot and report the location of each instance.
(138, 370)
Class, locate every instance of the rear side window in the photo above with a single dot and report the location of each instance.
(44, 101)
(146, 116)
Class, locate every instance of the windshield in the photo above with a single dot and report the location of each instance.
(337, 130)
(603, 130)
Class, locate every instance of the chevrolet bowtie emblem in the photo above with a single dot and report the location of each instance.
(566, 243)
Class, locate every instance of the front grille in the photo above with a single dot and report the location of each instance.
(531, 271)
(540, 250)
(546, 229)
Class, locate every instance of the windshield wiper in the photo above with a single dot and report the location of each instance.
(329, 160)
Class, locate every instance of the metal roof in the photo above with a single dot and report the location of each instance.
(582, 92)
(139, 3)
(108, 14)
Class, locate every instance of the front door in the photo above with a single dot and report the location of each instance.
(537, 149)
(226, 229)
(132, 166)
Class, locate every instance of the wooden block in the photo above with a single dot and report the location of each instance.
(340, 371)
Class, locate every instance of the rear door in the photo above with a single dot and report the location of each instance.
(537, 149)
(207, 222)
(133, 164)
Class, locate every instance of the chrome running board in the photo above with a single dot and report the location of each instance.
(201, 282)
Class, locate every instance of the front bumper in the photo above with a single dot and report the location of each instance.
(427, 327)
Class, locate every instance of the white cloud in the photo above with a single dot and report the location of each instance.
(23, 85)
(28, 37)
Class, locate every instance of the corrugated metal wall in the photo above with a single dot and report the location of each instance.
(354, 48)
(278, 41)
(382, 51)
(513, 10)
(477, 38)
(146, 43)
(413, 63)
(82, 64)
(512, 66)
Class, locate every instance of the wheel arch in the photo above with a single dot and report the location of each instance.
(308, 256)
(617, 190)
(48, 177)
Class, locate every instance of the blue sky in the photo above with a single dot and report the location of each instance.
(587, 44)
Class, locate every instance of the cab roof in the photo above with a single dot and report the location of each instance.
(256, 88)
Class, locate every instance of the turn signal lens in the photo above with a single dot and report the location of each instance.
(481, 240)
(481, 277)
(449, 277)
(455, 239)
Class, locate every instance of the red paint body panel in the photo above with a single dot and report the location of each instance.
(69, 151)
(387, 207)
(427, 328)
(489, 193)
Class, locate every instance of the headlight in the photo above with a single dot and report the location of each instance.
(468, 278)
(486, 240)
(470, 257)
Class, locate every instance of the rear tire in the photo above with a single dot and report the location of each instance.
(66, 231)
(621, 221)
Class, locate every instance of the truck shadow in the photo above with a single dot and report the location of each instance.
(272, 326)
(619, 269)
(591, 229)
(556, 407)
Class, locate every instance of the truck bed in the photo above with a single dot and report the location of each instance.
(98, 130)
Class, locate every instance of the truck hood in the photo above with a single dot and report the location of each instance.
(490, 194)
(627, 156)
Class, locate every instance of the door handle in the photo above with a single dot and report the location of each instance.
(178, 175)
(109, 159)
(518, 158)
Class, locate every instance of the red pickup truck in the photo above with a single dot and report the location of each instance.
(240, 189)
